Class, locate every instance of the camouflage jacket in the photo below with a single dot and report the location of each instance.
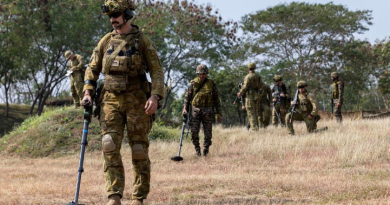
(307, 104)
(266, 94)
(77, 64)
(337, 92)
(147, 50)
(282, 89)
(189, 96)
(252, 84)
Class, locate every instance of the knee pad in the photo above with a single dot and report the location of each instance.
(138, 152)
(108, 144)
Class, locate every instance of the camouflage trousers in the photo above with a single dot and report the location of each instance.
(282, 111)
(265, 114)
(311, 125)
(206, 117)
(253, 112)
(120, 110)
(76, 88)
(337, 113)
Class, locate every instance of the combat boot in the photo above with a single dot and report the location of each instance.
(321, 130)
(137, 202)
(197, 149)
(205, 151)
(114, 200)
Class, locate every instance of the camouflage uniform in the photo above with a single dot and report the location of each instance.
(125, 96)
(76, 78)
(251, 89)
(203, 104)
(306, 105)
(265, 108)
(337, 96)
(282, 104)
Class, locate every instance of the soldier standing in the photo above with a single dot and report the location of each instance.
(75, 72)
(202, 95)
(251, 89)
(281, 97)
(265, 105)
(337, 95)
(124, 56)
(306, 110)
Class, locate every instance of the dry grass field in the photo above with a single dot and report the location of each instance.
(348, 164)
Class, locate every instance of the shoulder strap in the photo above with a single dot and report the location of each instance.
(111, 58)
(201, 86)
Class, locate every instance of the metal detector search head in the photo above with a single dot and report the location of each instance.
(177, 158)
(72, 203)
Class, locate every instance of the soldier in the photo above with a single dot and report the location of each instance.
(306, 110)
(202, 95)
(251, 88)
(265, 103)
(281, 98)
(75, 72)
(124, 56)
(337, 95)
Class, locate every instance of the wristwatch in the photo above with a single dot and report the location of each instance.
(158, 97)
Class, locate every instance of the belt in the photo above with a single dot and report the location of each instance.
(129, 89)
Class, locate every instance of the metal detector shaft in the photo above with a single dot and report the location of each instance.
(182, 135)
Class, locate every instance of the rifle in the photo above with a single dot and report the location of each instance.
(332, 104)
(279, 98)
(239, 86)
(295, 102)
(278, 115)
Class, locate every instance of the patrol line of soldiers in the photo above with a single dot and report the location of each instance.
(128, 100)
(303, 105)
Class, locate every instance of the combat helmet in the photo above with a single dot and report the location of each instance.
(202, 69)
(124, 7)
(278, 78)
(334, 75)
(251, 66)
(301, 84)
(68, 53)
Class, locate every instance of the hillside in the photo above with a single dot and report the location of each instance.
(17, 114)
(348, 164)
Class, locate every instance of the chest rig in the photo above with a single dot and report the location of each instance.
(123, 64)
(204, 97)
(335, 92)
(304, 103)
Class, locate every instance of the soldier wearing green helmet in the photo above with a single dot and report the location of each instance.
(75, 72)
(337, 95)
(124, 56)
(203, 97)
(306, 110)
(251, 89)
(281, 100)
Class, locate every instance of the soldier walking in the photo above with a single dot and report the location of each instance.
(124, 56)
(251, 89)
(281, 98)
(265, 105)
(75, 71)
(306, 110)
(202, 95)
(337, 96)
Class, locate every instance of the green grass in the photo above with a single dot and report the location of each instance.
(58, 132)
(17, 114)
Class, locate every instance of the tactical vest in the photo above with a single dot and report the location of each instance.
(204, 98)
(335, 92)
(126, 68)
(254, 85)
(305, 105)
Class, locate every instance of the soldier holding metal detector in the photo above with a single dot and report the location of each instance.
(304, 108)
(280, 100)
(202, 97)
(125, 56)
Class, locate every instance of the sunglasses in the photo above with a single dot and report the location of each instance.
(115, 15)
(301, 87)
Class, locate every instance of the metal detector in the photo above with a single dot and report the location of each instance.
(186, 120)
(84, 142)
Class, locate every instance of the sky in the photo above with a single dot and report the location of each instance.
(235, 9)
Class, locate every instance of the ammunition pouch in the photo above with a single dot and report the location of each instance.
(115, 83)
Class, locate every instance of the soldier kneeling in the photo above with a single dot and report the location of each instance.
(306, 109)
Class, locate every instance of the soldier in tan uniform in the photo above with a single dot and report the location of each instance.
(251, 89)
(75, 72)
(265, 105)
(128, 100)
(337, 95)
(306, 110)
(203, 97)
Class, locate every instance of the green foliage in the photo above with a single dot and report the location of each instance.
(165, 133)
